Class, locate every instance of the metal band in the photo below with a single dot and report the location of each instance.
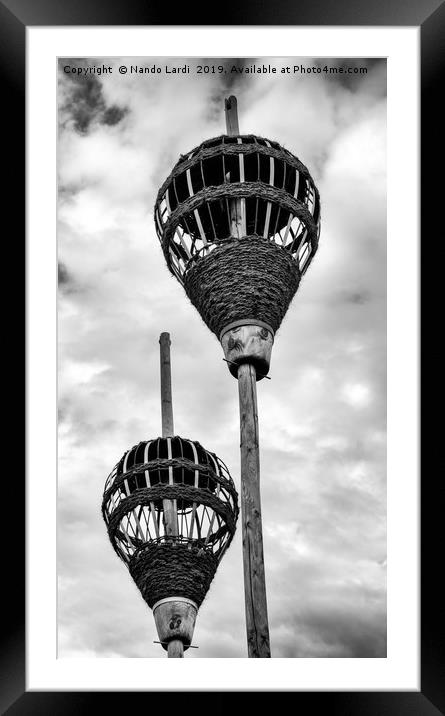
(246, 322)
(175, 599)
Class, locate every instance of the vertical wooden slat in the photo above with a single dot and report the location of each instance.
(169, 455)
(289, 222)
(154, 518)
(209, 209)
(182, 242)
(213, 516)
(167, 201)
(127, 490)
(269, 205)
(202, 174)
(242, 201)
(297, 183)
(256, 216)
(196, 212)
(276, 222)
(192, 523)
(147, 474)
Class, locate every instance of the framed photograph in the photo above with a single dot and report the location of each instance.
(110, 111)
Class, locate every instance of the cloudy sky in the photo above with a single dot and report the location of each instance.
(323, 414)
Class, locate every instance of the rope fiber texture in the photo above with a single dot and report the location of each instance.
(247, 278)
(163, 570)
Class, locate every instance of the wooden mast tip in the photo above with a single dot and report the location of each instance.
(231, 110)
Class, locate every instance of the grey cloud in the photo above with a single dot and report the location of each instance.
(83, 102)
(63, 275)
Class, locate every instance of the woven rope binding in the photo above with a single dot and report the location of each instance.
(160, 570)
(248, 278)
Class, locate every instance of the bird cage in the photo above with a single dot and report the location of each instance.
(170, 567)
(239, 222)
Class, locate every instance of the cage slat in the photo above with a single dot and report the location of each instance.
(127, 490)
(213, 517)
(147, 474)
(196, 212)
(202, 174)
(195, 456)
(297, 183)
(183, 244)
(169, 453)
(209, 209)
(197, 521)
(276, 222)
(167, 201)
(286, 234)
(243, 201)
(143, 513)
(192, 521)
(269, 205)
(154, 518)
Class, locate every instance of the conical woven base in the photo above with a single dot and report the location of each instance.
(165, 570)
(247, 278)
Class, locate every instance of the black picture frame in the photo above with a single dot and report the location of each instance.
(15, 17)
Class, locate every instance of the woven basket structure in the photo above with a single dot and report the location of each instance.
(252, 273)
(206, 504)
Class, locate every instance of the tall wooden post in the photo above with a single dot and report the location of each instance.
(175, 647)
(253, 557)
(166, 386)
(231, 110)
(237, 206)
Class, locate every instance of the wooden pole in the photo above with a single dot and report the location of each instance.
(236, 205)
(166, 387)
(257, 626)
(231, 108)
(254, 577)
(175, 647)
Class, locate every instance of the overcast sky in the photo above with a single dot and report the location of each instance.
(323, 413)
